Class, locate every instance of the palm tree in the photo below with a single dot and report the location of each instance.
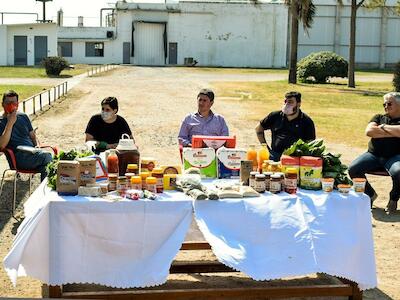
(300, 11)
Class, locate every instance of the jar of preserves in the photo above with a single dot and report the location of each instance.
(112, 162)
(252, 179)
(265, 166)
(291, 181)
(128, 178)
(144, 175)
(122, 185)
(151, 184)
(112, 180)
(275, 184)
(136, 182)
(132, 168)
(259, 185)
(274, 167)
(267, 180)
(282, 177)
(159, 174)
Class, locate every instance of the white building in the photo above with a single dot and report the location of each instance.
(217, 33)
(27, 44)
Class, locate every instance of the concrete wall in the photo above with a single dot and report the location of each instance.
(3, 45)
(31, 30)
(80, 35)
(216, 34)
(377, 35)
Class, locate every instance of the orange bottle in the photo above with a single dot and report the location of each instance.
(263, 154)
(252, 155)
(112, 162)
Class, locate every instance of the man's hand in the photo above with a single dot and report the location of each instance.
(12, 118)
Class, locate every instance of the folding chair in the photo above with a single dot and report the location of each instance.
(9, 153)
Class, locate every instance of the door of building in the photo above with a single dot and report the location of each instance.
(40, 49)
(149, 44)
(20, 50)
(126, 53)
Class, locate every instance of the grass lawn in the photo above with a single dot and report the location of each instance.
(340, 113)
(24, 91)
(38, 72)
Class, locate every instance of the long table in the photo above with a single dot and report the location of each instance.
(132, 244)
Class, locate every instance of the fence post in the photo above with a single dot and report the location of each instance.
(40, 101)
(23, 106)
(49, 95)
(34, 105)
(66, 87)
(54, 93)
(58, 90)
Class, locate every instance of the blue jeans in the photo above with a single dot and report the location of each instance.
(275, 156)
(368, 162)
(33, 161)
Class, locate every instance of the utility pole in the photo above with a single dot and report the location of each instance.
(44, 11)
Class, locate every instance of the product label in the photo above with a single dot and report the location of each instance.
(275, 186)
(260, 186)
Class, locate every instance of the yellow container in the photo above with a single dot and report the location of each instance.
(136, 182)
(263, 155)
(169, 182)
(151, 180)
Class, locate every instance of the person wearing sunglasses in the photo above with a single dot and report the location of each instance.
(383, 150)
(18, 134)
(287, 126)
(105, 129)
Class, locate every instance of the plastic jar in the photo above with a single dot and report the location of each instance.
(112, 180)
(275, 184)
(132, 168)
(252, 179)
(159, 174)
(291, 181)
(151, 184)
(136, 182)
(260, 183)
(267, 180)
(112, 162)
(144, 175)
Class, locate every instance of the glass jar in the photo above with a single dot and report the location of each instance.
(112, 162)
(128, 178)
(267, 180)
(291, 181)
(274, 167)
(275, 184)
(151, 184)
(136, 182)
(259, 185)
(122, 185)
(144, 175)
(282, 177)
(252, 179)
(132, 168)
(159, 174)
(112, 180)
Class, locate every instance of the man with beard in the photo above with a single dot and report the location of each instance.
(287, 126)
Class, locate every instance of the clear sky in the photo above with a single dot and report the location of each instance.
(89, 9)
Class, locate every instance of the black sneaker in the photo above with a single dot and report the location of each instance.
(391, 207)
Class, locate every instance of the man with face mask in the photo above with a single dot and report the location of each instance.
(203, 122)
(287, 126)
(107, 127)
(16, 130)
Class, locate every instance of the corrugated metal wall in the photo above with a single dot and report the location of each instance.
(149, 44)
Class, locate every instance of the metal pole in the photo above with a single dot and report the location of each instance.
(49, 95)
(54, 93)
(34, 105)
(66, 87)
(40, 101)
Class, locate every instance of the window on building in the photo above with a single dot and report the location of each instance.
(65, 49)
(94, 49)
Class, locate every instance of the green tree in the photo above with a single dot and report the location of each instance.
(300, 11)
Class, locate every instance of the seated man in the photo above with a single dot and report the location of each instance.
(383, 149)
(16, 130)
(287, 126)
(106, 128)
(203, 122)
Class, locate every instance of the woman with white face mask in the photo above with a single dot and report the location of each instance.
(106, 128)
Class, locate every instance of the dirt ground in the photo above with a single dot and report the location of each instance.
(154, 101)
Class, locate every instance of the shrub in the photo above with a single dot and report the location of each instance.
(320, 66)
(54, 65)
(396, 77)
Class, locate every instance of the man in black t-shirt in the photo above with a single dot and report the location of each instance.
(287, 126)
(107, 128)
(383, 149)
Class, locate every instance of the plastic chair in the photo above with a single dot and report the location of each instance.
(9, 153)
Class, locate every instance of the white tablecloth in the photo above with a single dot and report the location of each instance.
(82, 239)
(284, 235)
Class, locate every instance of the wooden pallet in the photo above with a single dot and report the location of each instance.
(346, 288)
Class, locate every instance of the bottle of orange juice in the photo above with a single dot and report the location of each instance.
(252, 155)
(263, 154)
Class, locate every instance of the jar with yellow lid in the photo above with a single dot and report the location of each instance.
(151, 184)
(136, 182)
(159, 174)
(132, 168)
(144, 175)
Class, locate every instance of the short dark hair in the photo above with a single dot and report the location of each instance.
(296, 95)
(9, 94)
(111, 101)
(207, 92)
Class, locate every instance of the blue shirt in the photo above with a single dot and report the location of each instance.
(196, 124)
(20, 131)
